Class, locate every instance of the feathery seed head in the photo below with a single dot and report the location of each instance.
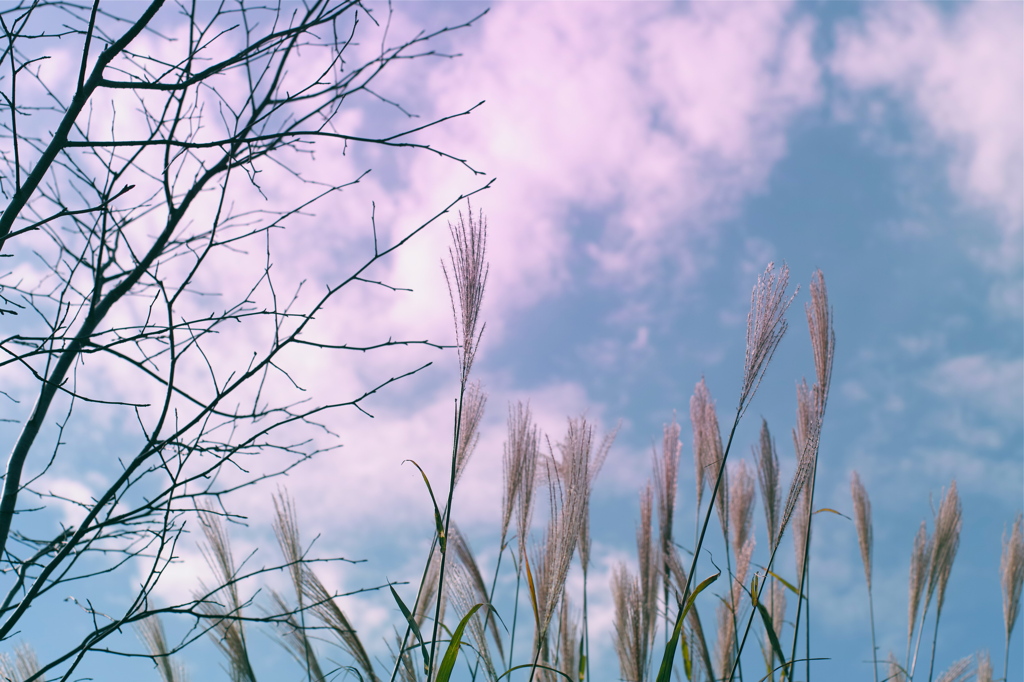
(520, 466)
(469, 269)
(666, 476)
(823, 336)
(945, 543)
(862, 518)
(1011, 573)
(918, 566)
(766, 325)
(741, 505)
(984, 673)
(768, 478)
(707, 450)
(472, 413)
(806, 437)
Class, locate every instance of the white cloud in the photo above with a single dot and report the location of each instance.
(962, 76)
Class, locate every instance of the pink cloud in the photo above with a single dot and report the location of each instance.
(662, 118)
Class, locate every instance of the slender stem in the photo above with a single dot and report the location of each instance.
(447, 523)
(874, 646)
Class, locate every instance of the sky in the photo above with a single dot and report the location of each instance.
(648, 162)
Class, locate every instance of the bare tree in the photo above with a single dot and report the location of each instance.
(137, 146)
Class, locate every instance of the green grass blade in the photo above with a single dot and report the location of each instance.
(438, 521)
(412, 626)
(785, 583)
(665, 671)
(772, 637)
(444, 671)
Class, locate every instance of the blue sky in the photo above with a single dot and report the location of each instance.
(650, 160)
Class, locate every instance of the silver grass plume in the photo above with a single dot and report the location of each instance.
(634, 624)
(862, 519)
(311, 590)
(524, 442)
(568, 489)
(960, 671)
(470, 415)
(896, 673)
(1011, 577)
(228, 631)
(776, 606)
(768, 477)
(725, 643)
(823, 337)
(741, 506)
(945, 543)
(918, 569)
(469, 270)
(296, 639)
(806, 437)
(984, 666)
(151, 632)
(666, 482)
(766, 325)
(476, 582)
(520, 466)
(465, 595)
(568, 639)
(24, 666)
(593, 468)
(707, 451)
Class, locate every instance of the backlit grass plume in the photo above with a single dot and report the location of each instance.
(1011, 574)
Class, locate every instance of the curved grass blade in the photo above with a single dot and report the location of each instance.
(438, 521)
(772, 637)
(444, 671)
(535, 666)
(785, 583)
(665, 671)
(412, 626)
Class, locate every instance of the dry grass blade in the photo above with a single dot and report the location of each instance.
(469, 269)
(151, 632)
(1011, 574)
(766, 325)
(768, 478)
(470, 415)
